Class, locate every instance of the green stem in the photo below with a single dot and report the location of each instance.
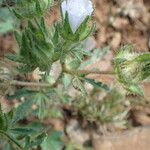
(86, 72)
(72, 72)
(30, 84)
(12, 140)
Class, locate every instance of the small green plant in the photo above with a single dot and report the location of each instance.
(40, 47)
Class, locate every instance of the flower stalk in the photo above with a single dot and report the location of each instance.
(86, 72)
(72, 72)
(30, 84)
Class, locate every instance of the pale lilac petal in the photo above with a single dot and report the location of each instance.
(77, 10)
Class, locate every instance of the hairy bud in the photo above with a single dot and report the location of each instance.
(76, 16)
(77, 11)
(131, 68)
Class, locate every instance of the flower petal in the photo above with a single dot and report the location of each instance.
(77, 10)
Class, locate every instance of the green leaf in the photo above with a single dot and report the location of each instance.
(79, 85)
(29, 9)
(36, 125)
(18, 37)
(84, 30)
(22, 131)
(23, 110)
(98, 85)
(38, 7)
(17, 14)
(42, 101)
(36, 47)
(27, 142)
(56, 35)
(66, 80)
(44, 26)
(78, 54)
(135, 89)
(74, 64)
(3, 121)
(22, 93)
(53, 142)
(56, 112)
(39, 139)
(14, 58)
(35, 142)
(66, 31)
(69, 147)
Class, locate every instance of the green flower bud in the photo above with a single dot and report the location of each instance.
(31, 8)
(131, 68)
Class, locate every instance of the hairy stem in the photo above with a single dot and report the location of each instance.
(72, 72)
(86, 72)
(30, 84)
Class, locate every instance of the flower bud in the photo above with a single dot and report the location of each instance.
(31, 8)
(131, 68)
(77, 11)
(76, 15)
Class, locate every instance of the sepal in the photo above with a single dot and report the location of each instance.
(81, 33)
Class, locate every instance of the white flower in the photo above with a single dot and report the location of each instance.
(77, 11)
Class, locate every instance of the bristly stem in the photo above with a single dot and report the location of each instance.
(30, 84)
(72, 72)
(86, 72)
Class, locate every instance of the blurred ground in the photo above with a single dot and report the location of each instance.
(121, 22)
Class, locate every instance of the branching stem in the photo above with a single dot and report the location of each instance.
(86, 72)
(72, 72)
(30, 84)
